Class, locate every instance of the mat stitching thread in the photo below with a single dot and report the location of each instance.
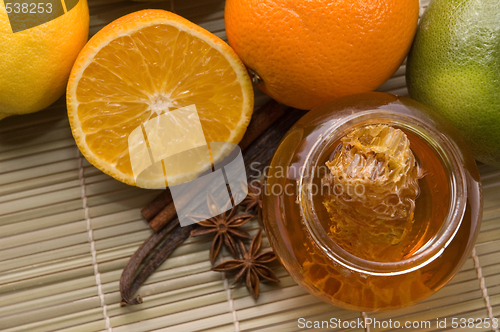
(365, 316)
(482, 284)
(231, 303)
(92, 243)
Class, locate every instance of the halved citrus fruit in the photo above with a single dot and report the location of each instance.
(146, 64)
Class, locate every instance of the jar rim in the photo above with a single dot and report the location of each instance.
(447, 151)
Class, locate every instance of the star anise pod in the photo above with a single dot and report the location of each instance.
(251, 265)
(253, 200)
(225, 226)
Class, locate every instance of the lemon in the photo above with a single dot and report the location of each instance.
(35, 62)
(454, 68)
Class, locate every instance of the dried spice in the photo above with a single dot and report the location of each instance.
(262, 133)
(253, 200)
(225, 228)
(138, 268)
(163, 200)
(251, 266)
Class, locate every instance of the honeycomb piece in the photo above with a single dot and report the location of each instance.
(373, 185)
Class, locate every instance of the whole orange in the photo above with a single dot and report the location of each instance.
(304, 53)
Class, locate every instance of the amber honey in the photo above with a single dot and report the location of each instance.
(432, 201)
(446, 216)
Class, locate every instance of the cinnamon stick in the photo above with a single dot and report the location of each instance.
(163, 205)
(166, 214)
(157, 205)
(262, 119)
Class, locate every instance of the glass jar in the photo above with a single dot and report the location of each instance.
(447, 210)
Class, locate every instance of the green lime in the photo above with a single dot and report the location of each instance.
(454, 68)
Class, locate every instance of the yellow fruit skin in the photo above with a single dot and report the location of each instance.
(454, 68)
(35, 63)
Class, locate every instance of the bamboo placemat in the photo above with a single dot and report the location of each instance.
(67, 230)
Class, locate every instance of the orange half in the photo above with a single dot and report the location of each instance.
(146, 64)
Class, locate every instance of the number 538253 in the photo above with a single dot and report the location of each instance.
(28, 8)
(471, 323)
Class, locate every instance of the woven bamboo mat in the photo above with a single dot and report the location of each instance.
(67, 230)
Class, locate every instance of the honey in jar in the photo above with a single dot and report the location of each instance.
(372, 202)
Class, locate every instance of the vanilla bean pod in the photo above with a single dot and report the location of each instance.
(135, 261)
(165, 249)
